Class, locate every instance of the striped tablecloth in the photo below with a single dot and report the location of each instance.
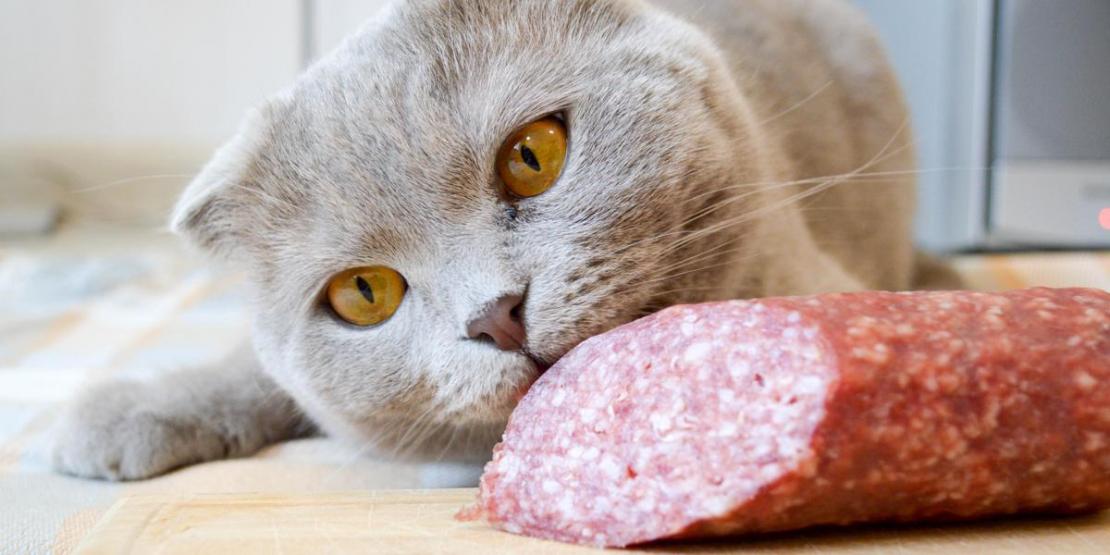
(87, 306)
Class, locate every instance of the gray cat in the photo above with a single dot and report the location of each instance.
(467, 189)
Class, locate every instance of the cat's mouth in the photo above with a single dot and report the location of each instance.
(541, 365)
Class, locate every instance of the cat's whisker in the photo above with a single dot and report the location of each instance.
(417, 436)
(129, 180)
(677, 274)
(466, 432)
(764, 250)
(714, 252)
(683, 290)
(360, 452)
(689, 236)
(855, 176)
(405, 444)
(399, 448)
(881, 157)
(764, 187)
(669, 273)
(797, 105)
(448, 444)
(749, 216)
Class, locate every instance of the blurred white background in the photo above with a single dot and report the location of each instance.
(108, 107)
(142, 71)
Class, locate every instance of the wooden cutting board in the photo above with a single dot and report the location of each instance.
(421, 522)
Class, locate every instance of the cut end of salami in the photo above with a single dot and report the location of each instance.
(778, 414)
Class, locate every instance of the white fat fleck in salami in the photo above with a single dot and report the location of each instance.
(778, 414)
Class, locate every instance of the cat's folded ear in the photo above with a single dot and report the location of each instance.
(209, 213)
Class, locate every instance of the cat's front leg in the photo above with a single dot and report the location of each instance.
(131, 430)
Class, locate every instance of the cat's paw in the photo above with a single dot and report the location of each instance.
(125, 431)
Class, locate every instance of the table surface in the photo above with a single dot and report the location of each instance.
(422, 522)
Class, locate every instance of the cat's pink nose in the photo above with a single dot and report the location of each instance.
(500, 324)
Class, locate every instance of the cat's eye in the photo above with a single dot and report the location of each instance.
(531, 160)
(366, 296)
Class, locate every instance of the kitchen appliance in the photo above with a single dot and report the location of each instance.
(1011, 104)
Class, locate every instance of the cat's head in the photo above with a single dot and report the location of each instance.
(386, 155)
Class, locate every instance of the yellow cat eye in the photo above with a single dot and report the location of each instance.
(532, 159)
(366, 296)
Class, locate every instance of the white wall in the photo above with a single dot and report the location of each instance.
(175, 71)
(140, 70)
(108, 107)
(333, 20)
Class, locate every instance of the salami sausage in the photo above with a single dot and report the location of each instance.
(772, 415)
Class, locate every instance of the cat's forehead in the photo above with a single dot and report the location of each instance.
(470, 67)
(424, 96)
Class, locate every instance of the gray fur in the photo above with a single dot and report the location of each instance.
(683, 146)
(133, 430)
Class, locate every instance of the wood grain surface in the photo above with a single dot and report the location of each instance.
(421, 522)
